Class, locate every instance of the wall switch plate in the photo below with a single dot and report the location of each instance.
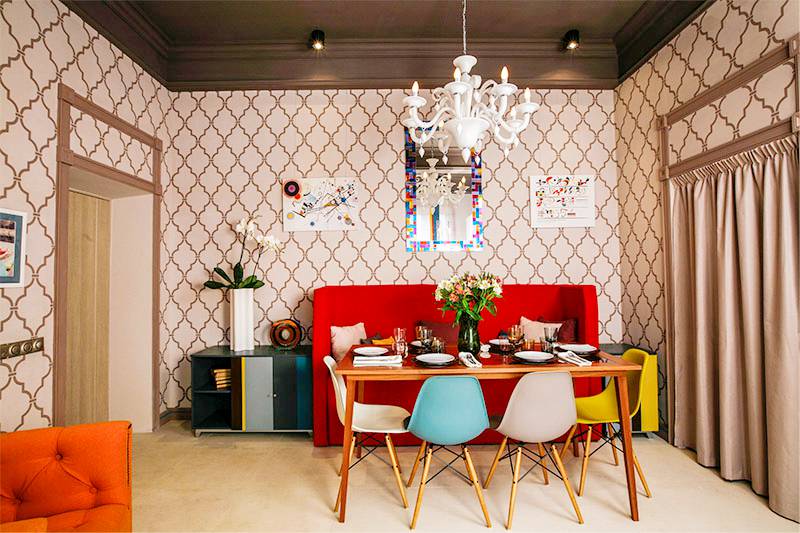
(15, 349)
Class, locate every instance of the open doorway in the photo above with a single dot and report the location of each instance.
(109, 302)
(107, 278)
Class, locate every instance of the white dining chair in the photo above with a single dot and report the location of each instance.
(541, 409)
(369, 419)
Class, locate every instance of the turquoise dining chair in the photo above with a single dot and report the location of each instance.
(449, 411)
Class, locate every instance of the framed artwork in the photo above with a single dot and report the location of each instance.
(562, 201)
(321, 204)
(12, 248)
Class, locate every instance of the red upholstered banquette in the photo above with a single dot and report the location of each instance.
(384, 307)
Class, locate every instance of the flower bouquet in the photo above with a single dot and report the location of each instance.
(468, 295)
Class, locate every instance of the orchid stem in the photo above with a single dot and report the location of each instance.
(258, 260)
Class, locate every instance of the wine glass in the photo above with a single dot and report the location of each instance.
(425, 336)
(399, 334)
(515, 334)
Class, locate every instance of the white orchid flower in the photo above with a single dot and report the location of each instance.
(241, 227)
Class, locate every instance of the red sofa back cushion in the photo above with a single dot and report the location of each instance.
(384, 307)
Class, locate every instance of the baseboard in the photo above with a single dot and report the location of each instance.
(175, 413)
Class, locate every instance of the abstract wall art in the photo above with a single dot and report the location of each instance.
(12, 248)
(562, 201)
(321, 204)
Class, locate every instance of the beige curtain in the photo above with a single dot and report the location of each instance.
(734, 232)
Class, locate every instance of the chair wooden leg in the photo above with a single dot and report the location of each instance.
(514, 482)
(475, 483)
(339, 494)
(586, 449)
(641, 475)
(393, 456)
(422, 481)
(420, 453)
(569, 439)
(543, 463)
(613, 448)
(497, 456)
(567, 484)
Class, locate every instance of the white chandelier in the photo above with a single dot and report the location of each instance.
(435, 187)
(465, 109)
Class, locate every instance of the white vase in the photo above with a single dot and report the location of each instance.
(241, 333)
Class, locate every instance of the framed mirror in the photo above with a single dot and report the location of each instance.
(444, 199)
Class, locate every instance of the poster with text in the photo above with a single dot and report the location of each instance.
(321, 204)
(562, 201)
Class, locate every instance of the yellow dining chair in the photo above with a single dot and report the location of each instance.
(600, 409)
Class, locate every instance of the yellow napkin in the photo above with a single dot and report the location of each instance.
(383, 342)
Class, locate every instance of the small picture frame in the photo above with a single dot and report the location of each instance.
(13, 226)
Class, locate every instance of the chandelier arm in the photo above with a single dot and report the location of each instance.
(482, 109)
(504, 140)
(502, 106)
(505, 125)
(434, 121)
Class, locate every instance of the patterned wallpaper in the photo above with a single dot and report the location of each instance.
(42, 43)
(232, 149)
(227, 151)
(728, 36)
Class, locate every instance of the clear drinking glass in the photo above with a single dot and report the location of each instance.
(399, 334)
(437, 345)
(515, 334)
(528, 345)
(550, 338)
(401, 348)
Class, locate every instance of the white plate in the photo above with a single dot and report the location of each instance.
(578, 348)
(497, 342)
(534, 356)
(416, 344)
(371, 350)
(435, 358)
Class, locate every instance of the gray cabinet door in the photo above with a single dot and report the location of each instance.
(258, 393)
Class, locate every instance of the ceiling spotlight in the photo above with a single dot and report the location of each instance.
(317, 40)
(572, 40)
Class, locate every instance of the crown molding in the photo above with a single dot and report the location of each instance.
(650, 28)
(384, 64)
(130, 30)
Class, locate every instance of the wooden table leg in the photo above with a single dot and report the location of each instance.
(627, 444)
(360, 399)
(348, 435)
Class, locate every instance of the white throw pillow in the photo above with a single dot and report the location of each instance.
(344, 337)
(534, 329)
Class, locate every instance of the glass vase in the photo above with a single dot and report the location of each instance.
(468, 339)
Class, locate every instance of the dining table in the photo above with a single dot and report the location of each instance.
(497, 366)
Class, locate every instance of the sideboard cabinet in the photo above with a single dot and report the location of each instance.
(270, 390)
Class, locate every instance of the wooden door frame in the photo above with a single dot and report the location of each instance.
(66, 158)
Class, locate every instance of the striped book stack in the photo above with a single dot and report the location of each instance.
(222, 378)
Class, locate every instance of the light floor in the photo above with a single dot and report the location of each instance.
(280, 482)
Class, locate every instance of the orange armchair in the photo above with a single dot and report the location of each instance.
(66, 479)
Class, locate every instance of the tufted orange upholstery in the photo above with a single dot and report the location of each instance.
(78, 478)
